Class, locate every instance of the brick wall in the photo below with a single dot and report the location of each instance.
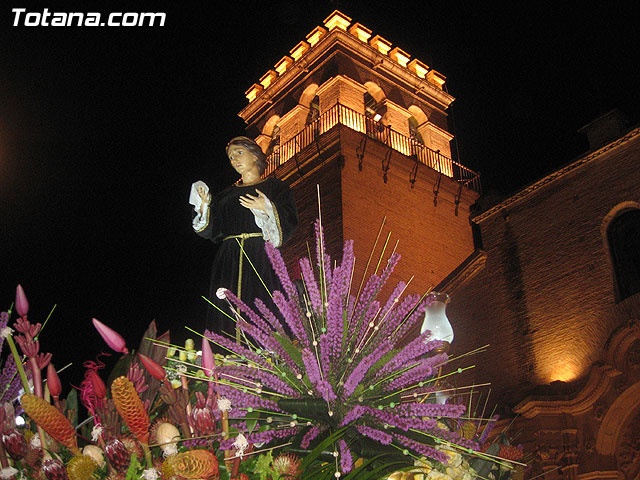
(545, 299)
(432, 239)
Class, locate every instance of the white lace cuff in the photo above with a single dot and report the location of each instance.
(268, 223)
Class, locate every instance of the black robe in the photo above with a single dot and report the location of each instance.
(227, 217)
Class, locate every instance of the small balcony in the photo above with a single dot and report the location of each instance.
(341, 115)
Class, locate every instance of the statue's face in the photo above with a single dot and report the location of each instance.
(241, 159)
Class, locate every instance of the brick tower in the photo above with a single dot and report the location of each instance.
(347, 111)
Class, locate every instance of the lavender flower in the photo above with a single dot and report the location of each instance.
(353, 414)
(241, 399)
(311, 366)
(422, 449)
(266, 378)
(251, 315)
(346, 461)
(312, 286)
(377, 435)
(311, 434)
(423, 369)
(269, 316)
(362, 369)
(234, 347)
(411, 322)
(400, 313)
(9, 381)
(324, 387)
(281, 270)
(291, 317)
(417, 347)
(430, 410)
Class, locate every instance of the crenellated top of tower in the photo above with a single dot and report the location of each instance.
(412, 76)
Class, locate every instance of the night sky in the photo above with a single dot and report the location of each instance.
(102, 131)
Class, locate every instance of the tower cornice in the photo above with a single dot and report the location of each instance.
(413, 75)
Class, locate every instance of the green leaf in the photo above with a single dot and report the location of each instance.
(483, 466)
(321, 447)
(294, 352)
(315, 408)
(133, 472)
(72, 406)
(262, 467)
(251, 419)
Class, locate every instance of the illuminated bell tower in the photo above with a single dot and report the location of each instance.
(347, 111)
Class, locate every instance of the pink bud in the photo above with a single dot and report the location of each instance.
(154, 369)
(111, 337)
(22, 305)
(99, 387)
(53, 381)
(208, 365)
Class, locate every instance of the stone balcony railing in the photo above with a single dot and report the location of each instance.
(341, 115)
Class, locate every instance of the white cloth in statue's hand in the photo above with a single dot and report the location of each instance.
(201, 220)
(194, 198)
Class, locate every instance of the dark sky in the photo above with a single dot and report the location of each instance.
(102, 131)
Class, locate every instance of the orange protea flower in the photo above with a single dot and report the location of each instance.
(81, 467)
(191, 464)
(287, 465)
(130, 408)
(51, 420)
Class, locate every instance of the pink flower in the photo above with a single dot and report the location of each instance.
(53, 381)
(112, 338)
(154, 369)
(208, 365)
(22, 305)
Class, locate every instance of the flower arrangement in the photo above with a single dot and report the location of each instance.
(325, 387)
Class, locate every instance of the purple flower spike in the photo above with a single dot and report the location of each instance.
(112, 338)
(22, 305)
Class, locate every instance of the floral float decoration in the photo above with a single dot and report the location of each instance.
(325, 387)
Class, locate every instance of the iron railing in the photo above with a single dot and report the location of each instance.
(341, 115)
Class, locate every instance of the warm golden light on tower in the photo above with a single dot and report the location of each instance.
(283, 65)
(299, 50)
(315, 35)
(360, 31)
(268, 78)
(337, 20)
(419, 68)
(436, 78)
(400, 56)
(253, 92)
(380, 44)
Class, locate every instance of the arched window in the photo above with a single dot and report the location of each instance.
(314, 110)
(413, 130)
(273, 150)
(623, 236)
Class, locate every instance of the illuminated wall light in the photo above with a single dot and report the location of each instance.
(337, 20)
(419, 68)
(283, 65)
(360, 31)
(400, 56)
(315, 35)
(268, 78)
(380, 44)
(565, 371)
(253, 92)
(299, 50)
(436, 78)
